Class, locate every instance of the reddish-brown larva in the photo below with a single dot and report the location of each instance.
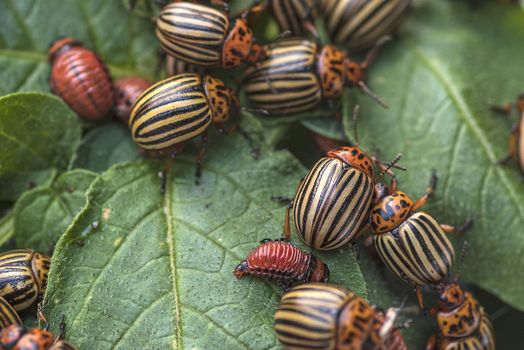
(127, 90)
(80, 78)
(283, 261)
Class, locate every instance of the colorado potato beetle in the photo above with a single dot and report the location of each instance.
(284, 262)
(516, 142)
(80, 78)
(8, 315)
(23, 277)
(200, 35)
(16, 337)
(332, 203)
(413, 245)
(358, 24)
(180, 108)
(462, 322)
(298, 74)
(127, 90)
(326, 316)
(294, 16)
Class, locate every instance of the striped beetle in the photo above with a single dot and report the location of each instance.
(284, 262)
(180, 108)
(332, 203)
(326, 316)
(516, 142)
(200, 35)
(23, 277)
(8, 315)
(80, 78)
(413, 245)
(462, 322)
(358, 24)
(298, 74)
(294, 16)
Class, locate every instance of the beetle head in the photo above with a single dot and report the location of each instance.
(354, 157)
(451, 296)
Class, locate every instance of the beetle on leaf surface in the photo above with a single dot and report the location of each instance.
(413, 245)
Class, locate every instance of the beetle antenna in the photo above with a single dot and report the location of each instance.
(364, 88)
(285, 34)
(500, 312)
(354, 119)
(391, 164)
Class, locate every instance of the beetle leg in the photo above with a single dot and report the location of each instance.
(429, 191)
(286, 285)
(373, 52)
(420, 298)
(198, 171)
(310, 27)
(61, 333)
(432, 342)
(168, 164)
(454, 229)
(356, 250)
(41, 316)
(281, 199)
(286, 234)
(256, 7)
(161, 61)
(512, 148)
(255, 149)
(393, 185)
(503, 109)
(223, 4)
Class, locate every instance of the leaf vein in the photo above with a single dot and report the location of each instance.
(103, 269)
(469, 119)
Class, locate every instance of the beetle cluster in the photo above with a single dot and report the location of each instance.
(335, 202)
(340, 197)
(291, 76)
(23, 281)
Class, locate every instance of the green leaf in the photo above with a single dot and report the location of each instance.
(104, 146)
(162, 265)
(440, 79)
(122, 38)
(43, 214)
(38, 135)
(138, 269)
(7, 228)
